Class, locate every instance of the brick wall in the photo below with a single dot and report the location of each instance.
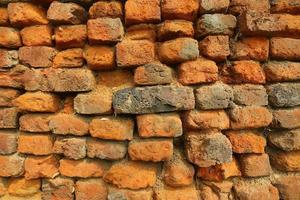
(150, 99)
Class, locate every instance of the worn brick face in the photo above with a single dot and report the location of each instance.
(39, 35)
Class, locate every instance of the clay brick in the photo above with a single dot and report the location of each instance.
(7, 95)
(249, 117)
(105, 30)
(285, 6)
(92, 189)
(132, 175)
(8, 59)
(26, 14)
(13, 78)
(171, 98)
(34, 123)
(11, 165)
(100, 57)
(114, 193)
(185, 9)
(66, 13)
(154, 73)
(69, 58)
(285, 161)
(115, 80)
(246, 141)
(286, 118)
(81, 168)
(248, 95)
(10, 37)
(37, 102)
(70, 147)
(178, 50)
(238, 7)
(284, 94)
(58, 187)
(197, 71)
(113, 9)
(288, 187)
(130, 53)
(8, 117)
(277, 71)
(107, 150)
(214, 96)
(250, 48)
(3, 17)
(22, 187)
(171, 29)
(36, 144)
(39, 35)
(212, 119)
(213, 6)
(112, 128)
(164, 192)
(159, 125)
(40, 56)
(70, 36)
(41, 167)
(8, 142)
(286, 140)
(255, 165)
(141, 32)
(199, 145)
(285, 48)
(215, 47)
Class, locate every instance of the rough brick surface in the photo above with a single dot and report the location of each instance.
(39, 35)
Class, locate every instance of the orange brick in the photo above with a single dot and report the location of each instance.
(4, 17)
(8, 142)
(285, 6)
(164, 192)
(34, 123)
(287, 185)
(7, 96)
(171, 29)
(70, 147)
(8, 118)
(36, 144)
(240, 6)
(215, 47)
(100, 57)
(23, 187)
(115, 80)
(58, 188)
(255, 165)
(114, 192)
(8, 59)
(40, 35)
(141, 32)
(11, 165)
(286, 118)
(277, 71)
(213, 6)
(185, 9)
(113, 9)
(70, 36)
(69, 58)
(92, 189)
(285, 48)
(10, 37)
(285, 161)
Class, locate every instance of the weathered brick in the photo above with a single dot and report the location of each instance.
(81, 168)
(171, 29)
(141, 32)
(34, 123)
(8, 59)
(10, 37)
(115, 193)
(159, 125)
(4, 16)
(113, 9)
(36, 144)
(185, 9)
(141, 100)
(288, 187)
(212, 119)
(131, 53)
(100, 57)
(14, 77)
(70, 147)
(154, 150)
(70, 36)
(112, 128)
(255, 165)
(277, 71)
(197, 71)
(7, 95)
(284, 94)
(246, 141)
(105, 30)
(58, 187)
(115, 80)
(8, 142)
(284, 48)
(199, 145)
(238, 7)
(287, 140)
(164, 192)
(215, 47)
(37, 102)
(11, 165)
(69, 58)
(3, 186)
(248, 95)
(107, 150)
(285, 6)
(214, 96)
(39, 35)
(153, 73)
(66, 13)
(286, 118)
(142, 11)
(213, 6)
(132, 175)
(26, 14)
(22, 187)
(39, 56)
(249, 117)
(285, 161)
(92, 189)
(8, 117)
(178, 50)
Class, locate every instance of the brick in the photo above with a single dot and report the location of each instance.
(7, 95)
(213, 6)
(197, 71)
(40, 56)
(288, 187)
(285, 161)
(3, 186)
(250, 48)
(238, 7)
(214, 96)
(116, 193)
(13, 78)
(130, 53)
(66, 13)
(64, 124)
(116, 80)
(11, 165)
(58, 187)
(92, 189)
(100, 57)
(207, 192)
(70, 36)
(41, 167)
(215, 47)
(107, 150)
(36, 144)
(36, 196)
(113, 9)
(70, 147)
(39, 35)
(199, 147)
(141, 32)
(105, 30)
(81, 168)
(249, 117)
(286, 140)
(284, 94)
(8, 59)
(10, 37)
(154, 73)
(255, 165)
(178, 50)
(285, 6)
(37, 102)
(173, 9)
(215, 24)
(154, 150)
(131, 174)
(34, 123)
(23, 187)
(284, 48)
(112, 128)
(69, 58)
(8, 117)
(171, 98)
(248, 95)
(159, 125)
(171, 29)
(286, 118)
(8, 142)
(167, 193)
(211, 119)
(26, 14)
(277, 71)
(246, 141)
(4, 17)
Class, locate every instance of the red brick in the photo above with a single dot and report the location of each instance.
(8, 142)
(58, 188)
(36, 144)
(34, 123)
(8, 117)
(8, 59)
(90, 189)
(10, 37)
(100, 57)
(241, 6)
(215, 47)
(70, 147)
(7, 95)
(113, 9)
(70, 36)
(4, 17)
(286, 118)
(285, 161)
(69, 58)
(39, 35)
(171, 29)
(11, 165)
(255, 165)
(213, 6)
(285, 6)
(277, 71)
(141, 32)
(185, 9)
(285, 48)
